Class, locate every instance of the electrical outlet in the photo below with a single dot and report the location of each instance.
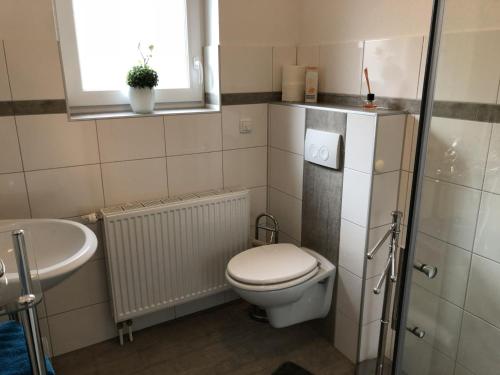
(245, 126)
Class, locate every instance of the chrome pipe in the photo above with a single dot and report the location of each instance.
(29, 316)
(389, 277)
(383, 277)
(275, 230)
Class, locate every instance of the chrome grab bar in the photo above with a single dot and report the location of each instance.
(388, 276)
(429, 271)
(379, 244)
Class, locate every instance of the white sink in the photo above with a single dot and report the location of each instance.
(60, 246)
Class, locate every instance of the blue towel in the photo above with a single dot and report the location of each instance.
(14, 358)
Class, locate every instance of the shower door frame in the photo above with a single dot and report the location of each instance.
(426, 109)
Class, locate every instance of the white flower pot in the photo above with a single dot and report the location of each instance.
(142, 100)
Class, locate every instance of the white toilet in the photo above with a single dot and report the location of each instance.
(292, 284)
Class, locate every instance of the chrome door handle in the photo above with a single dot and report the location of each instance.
(417, 331)
(427, 270)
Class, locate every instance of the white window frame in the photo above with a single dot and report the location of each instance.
(165, 98)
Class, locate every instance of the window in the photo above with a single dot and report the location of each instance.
(99, 44)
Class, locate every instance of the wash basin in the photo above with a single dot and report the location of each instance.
(60, 247)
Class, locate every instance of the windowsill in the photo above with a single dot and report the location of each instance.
(159, 112)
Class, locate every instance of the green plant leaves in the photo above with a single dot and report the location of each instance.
(142, 76)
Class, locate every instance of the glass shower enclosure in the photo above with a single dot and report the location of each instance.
(449, 307)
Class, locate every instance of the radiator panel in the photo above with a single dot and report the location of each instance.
(165, 254)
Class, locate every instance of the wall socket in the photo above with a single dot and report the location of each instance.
(245, 126)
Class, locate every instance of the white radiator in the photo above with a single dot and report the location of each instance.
(165, 252)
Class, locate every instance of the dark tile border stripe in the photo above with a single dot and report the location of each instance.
(32, 107)
(250, 98)
(459, 110)
(464, 111)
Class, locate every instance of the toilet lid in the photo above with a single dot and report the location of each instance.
(271, 264)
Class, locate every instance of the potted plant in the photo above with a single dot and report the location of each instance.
(142, 80)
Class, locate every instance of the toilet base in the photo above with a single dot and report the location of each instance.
(314, 304)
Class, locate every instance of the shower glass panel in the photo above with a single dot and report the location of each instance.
(451, 314)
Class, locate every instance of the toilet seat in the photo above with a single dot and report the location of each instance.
(271, 287)
(272, 267)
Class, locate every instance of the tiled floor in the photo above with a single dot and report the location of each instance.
(218, 341)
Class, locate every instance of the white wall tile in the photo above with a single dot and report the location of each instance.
(483, 294)
(393, 66)
(487, 234)
(282, 56)
(231, 116)
(85, 287)
(408, 143)
(245, 167)
(349, 293)
(492, 177)
(51, 141)
(135, 180)
(413, 156)
(4, 78)
(131, 138)
(190, 134)
(34, 69)
(258, 202)
(352, 247)
(194, 173)
(246, 69)
(360, 142)
(45, 334)
(452, 263)
(449, 212)
(369, 341)
(346, 336)
(356, 197)
(287, 128)
(65, 192)
(14, 201)
(10, 155)
(439, 319)
(457, 151)
(79, 328)
(475, 58)
(389, 143)
(286, 172)
(404, 192)
(408, 199)
(422, 359)
(288, 211)
(384, 198)
(308, 55)
(27, 20)
(479, 343)
(339, 67)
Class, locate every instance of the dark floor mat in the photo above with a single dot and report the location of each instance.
(290, 368)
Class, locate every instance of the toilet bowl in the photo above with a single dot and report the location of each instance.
(292, 284)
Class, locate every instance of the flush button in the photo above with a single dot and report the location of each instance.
(313, 151)
(323, 153)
